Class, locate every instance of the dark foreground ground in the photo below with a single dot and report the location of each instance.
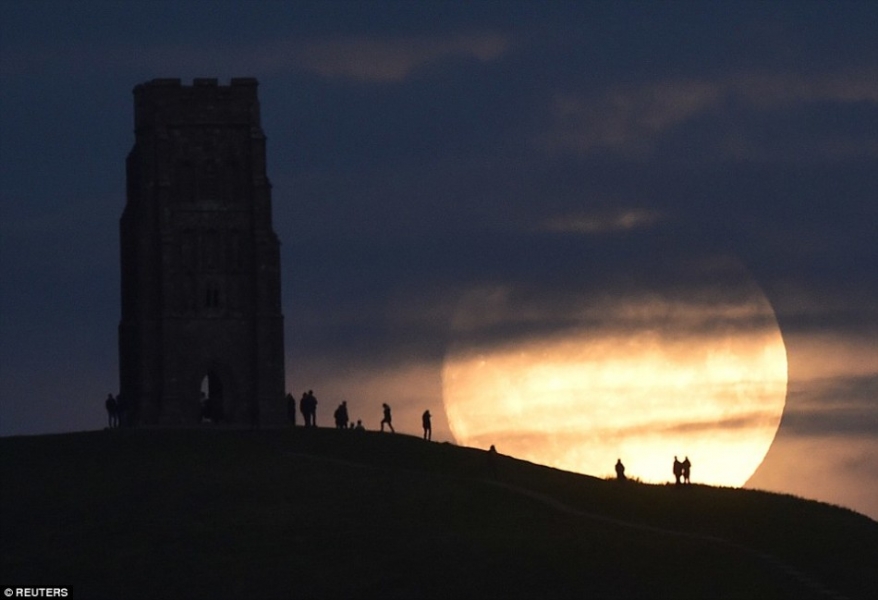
(342, 514)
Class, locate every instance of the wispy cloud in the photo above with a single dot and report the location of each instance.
(707, 303)
(770, 91)
(352, 58)
(754, 419)
(597, 223)
(625, 118)
(629, 119)
(370, 59)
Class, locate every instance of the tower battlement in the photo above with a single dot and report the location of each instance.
(169, 101)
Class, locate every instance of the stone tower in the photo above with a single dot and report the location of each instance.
(201, 335)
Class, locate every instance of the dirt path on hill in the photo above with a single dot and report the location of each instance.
(817, 589)
(814, 588)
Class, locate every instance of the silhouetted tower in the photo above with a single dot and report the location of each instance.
(201, 306)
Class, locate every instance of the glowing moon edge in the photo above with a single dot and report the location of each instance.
(581, 398)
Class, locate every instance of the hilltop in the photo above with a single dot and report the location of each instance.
(343, 514)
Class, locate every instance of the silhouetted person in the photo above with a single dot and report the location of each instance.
(493, 459)
(428, 426)
(387, 419)
(308, 407)
(678, 470)
(620, 470)
(291, 409)
(312, 407)
(205, 408)
(303, 408)
(341, 416)
(684, 469)
(112, 411)
(359, 426)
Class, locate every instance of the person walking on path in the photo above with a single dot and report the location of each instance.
(387, 419)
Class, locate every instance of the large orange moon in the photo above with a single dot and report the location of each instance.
(639, 378)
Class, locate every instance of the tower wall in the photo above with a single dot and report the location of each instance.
(200, 259)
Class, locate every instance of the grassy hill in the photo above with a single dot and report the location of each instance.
(342, 514)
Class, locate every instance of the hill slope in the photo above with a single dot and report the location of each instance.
(323, 513)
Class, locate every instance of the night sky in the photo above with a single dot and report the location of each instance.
(419, 151)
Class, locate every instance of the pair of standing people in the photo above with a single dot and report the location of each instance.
(115, 410)
(308, 408)
(112, 406)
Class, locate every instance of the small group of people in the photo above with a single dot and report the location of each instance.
(681, 470)
(211, 412)
(308, 408)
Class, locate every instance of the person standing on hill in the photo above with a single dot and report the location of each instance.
(291, 409)
(308, 407)
(341, 415)
(303, 408)
(387, 419)
(112, 412)
(428, 426)
(684, 469)
(312, 407)
(620, 470)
